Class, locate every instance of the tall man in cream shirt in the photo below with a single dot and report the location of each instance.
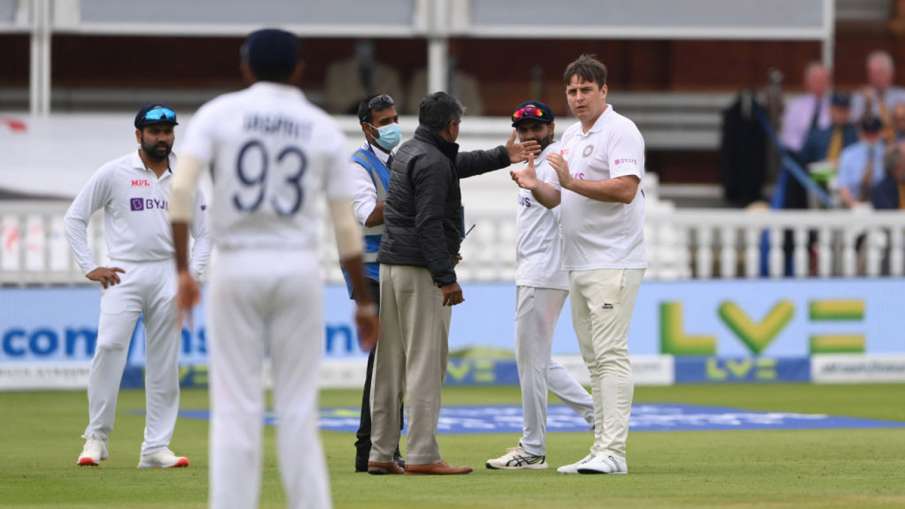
(599, 172)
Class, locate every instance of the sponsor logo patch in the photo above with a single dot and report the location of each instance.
(141, 183)
(148, 204)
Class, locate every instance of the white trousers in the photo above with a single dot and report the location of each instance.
(147, 288)
(537, 311)
(602, 304)
(265, 303)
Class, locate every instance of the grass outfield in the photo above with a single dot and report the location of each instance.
(699, 469)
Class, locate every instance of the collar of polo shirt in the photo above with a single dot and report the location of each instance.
(598, 124)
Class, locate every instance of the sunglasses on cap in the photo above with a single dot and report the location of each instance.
(160, 114)
(528, 112)
(381, 102)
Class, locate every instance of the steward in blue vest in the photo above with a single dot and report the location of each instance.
(380, 177)
(380, 125)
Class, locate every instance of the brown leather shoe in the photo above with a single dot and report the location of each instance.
(436, 469)
(381, 468)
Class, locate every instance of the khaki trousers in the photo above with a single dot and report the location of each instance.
(410, 364)
(602, 305)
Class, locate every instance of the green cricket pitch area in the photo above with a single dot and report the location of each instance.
(792, 468)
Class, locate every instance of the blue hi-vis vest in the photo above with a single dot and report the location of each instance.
(380, 175)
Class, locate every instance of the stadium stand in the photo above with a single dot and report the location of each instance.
(671, 80)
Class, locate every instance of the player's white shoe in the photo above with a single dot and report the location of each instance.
(604, 464)
(572, 468)
(517, 458)
(163, 458)
(92, 453)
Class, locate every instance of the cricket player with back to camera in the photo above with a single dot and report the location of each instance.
(272, 154)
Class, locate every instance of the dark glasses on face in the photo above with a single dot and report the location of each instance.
(530, 111)
(160, 113)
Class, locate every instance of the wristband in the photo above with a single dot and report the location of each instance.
(369, 309)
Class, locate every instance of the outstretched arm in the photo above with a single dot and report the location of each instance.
(469, 164)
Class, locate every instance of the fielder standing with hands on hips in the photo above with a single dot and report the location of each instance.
(271, 152)
(134, 191)
(599, 172)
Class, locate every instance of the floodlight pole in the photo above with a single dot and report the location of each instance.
(39, 71)
(437, 51)
(828, 45)
(437, 46)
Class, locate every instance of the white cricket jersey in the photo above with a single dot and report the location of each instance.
(539, 241)
(136, 218)
(272, 154)
(597, 234)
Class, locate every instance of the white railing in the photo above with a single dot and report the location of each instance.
(681, 243)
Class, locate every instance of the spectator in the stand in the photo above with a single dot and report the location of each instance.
(826, 144)
(359, 76)
(822, 144)
(890, 192)
(861, 165)
(879, 96)
(743, 149)
(898, 121)
(809, 111)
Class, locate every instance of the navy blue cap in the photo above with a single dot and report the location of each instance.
(271, 52)
(871, 124)
(841, 100)
(151, 114)
(534, 111)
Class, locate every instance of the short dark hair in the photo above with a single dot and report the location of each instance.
(437, 110)
(372, 103)
(272, 54)
(588, 68)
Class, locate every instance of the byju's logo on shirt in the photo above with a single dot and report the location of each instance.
(148, 204)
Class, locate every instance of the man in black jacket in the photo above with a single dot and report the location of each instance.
(423, 220)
